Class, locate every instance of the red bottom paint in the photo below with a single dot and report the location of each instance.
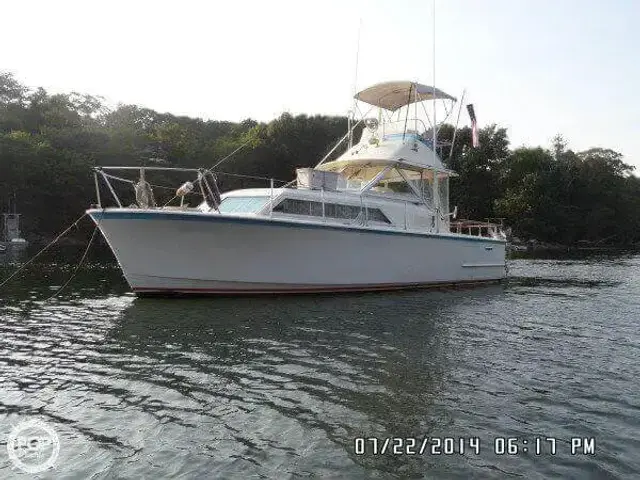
(301, 290)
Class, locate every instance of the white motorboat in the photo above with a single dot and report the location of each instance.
(377, 217)
(11, 232)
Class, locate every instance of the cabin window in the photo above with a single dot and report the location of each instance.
(331, 210)
(335, 210)
(294, 207)
(376, 215)
(443, 193)
(399, 187)
(354, 184)
(242, 204)
(426, 186)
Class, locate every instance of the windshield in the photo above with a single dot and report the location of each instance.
(242, 204)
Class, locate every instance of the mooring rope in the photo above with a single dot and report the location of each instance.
(74, 224)
(231, 154)
(210, 170)
(75, 271)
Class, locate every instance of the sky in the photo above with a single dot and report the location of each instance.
(537, 68)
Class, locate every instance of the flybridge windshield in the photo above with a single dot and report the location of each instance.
(242, 204)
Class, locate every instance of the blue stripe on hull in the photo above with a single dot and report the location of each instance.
(99, 215)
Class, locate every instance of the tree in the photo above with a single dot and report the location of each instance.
(48, 144)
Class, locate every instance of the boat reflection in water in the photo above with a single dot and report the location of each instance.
(339, 365)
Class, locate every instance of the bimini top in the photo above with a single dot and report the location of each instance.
(394, 95)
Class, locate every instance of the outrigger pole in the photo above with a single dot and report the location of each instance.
(436, 193)
(355, 89)
(435, 123)
(455, 131)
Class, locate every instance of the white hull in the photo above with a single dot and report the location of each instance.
(191, 252)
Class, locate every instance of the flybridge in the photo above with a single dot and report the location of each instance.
(403, 131)
(401, 134)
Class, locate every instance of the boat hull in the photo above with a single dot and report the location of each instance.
(163, 252)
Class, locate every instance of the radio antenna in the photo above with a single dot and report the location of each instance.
(435, 123)
(352, 113)
(355, 77)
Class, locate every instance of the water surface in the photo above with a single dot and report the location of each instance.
(279, 387)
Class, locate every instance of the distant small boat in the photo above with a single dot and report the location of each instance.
(11, 237)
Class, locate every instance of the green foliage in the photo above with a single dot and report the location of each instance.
(48, 144)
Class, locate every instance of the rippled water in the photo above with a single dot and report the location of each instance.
(280, 387)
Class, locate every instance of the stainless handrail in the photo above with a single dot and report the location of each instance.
(196, 170)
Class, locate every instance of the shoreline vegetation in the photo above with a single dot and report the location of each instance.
(551, 199)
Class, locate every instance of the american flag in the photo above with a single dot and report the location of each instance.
(475, 139)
